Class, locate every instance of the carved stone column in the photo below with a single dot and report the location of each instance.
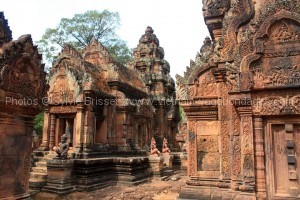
(235, 146)
(79, 129)
(45, 143)
(89, 131)
(52, 131)
(224, 110)
(247, 144)
(259, 157)
(192, 149)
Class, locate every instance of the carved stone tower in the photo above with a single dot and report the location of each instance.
(155, 70)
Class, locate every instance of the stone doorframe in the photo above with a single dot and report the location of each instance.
(267, 133)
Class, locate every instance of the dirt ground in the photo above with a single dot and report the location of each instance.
(156, 189)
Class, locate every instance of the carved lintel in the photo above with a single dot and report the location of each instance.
(63, 109)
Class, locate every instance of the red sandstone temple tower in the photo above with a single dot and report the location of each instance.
(22, 85)
(241, 98)
(155, 71)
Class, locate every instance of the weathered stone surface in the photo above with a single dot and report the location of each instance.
(22, 85)
(105, 109)
(240, 97)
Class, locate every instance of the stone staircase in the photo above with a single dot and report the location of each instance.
(38, 174)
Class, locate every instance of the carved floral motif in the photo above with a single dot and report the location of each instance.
(277, 105)
(192, 148)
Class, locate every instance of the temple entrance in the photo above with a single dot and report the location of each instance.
(283, 160)
(65, 125)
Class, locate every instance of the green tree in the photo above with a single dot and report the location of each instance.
(38, 123)
(80, 29)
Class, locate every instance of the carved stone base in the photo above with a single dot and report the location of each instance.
(59, 179)
(213, 193)
(156, 165)
(101, 172)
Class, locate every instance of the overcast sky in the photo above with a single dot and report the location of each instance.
(178, 24)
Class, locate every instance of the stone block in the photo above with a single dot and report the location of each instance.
(60, 180)
(168, 160)
(156, 165)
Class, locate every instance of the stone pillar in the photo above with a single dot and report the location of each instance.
(79, 129)
(224, 110)
(259, 158)
(235, 146)
(45, 143)
(89, 131)
(52, 131)
(192, 148)
(247, 151)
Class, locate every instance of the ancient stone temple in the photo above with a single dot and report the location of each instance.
(241, 98)
(22, 85)
(99, 102)
(155, 71)
(106, 110)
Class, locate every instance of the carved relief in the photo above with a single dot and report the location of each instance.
(207, 143)
(277, 105)
(276, 72)
(247, 135)
(22, 78)
(284, 32)
(236, 162)
(63, 109)
(192, 148)
(207, 127)
(206, 86)
(225, 135)
(214, 7)
(61, 90)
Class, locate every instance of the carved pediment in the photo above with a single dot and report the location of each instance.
(284, 31)
(204, 86)
(22, 78)
(63, 87)
(97, 54)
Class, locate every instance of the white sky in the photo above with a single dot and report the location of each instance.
(178, 24)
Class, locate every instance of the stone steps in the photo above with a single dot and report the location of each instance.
(41, 164)
(40, 169)
(36, 185)
(38, 176)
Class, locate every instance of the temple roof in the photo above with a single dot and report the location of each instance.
(96, 67)
(5, 32)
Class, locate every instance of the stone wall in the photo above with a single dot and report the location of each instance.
(22, 84)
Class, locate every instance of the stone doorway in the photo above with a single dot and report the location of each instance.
(282, 143)
(65, 125)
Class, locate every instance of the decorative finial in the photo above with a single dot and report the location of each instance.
(149, 30)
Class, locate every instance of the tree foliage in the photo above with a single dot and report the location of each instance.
(80, 29)
(181, 113)
(38, 123)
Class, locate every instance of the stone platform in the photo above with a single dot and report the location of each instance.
(65, 176)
